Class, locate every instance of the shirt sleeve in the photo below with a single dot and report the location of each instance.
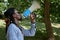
(12, 34)
(31, 31)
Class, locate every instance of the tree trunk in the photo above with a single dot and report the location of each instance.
(47, 20)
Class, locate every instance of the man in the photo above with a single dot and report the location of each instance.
(14, 32)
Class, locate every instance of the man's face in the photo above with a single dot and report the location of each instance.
(17, 15)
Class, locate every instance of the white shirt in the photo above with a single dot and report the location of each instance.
(15, 33)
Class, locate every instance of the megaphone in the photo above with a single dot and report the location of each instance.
(35, 5)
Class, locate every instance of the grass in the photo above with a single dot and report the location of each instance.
(40, 33)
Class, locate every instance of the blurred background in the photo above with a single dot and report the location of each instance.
(21, 6)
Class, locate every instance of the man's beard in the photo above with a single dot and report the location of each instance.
(20, 18)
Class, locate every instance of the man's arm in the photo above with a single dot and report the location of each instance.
(32, 30)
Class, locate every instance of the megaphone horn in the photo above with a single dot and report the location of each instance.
(35, 5)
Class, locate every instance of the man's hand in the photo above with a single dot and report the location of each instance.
(32, 17)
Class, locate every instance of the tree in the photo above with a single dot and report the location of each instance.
(47, 20)
(2, 7)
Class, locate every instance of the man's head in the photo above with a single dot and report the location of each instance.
(12, 14)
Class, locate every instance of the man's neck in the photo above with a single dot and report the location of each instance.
(17, 22)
